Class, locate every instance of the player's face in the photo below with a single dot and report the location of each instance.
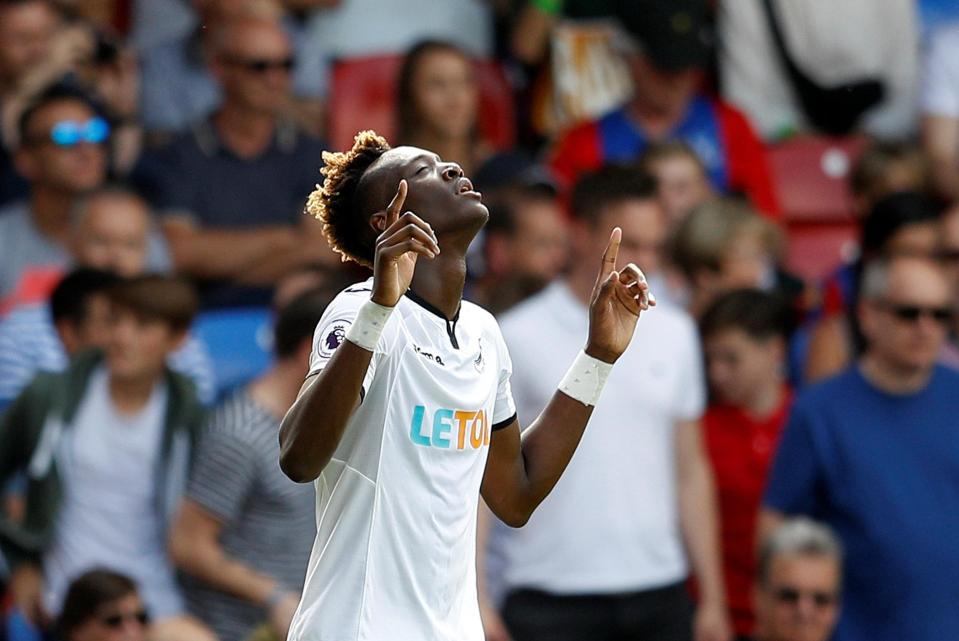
(739, 366)
(438, 191)
(800, 601)
(900, 325)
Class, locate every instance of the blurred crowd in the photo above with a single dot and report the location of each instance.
(775, 458)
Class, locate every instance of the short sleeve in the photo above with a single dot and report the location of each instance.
(224, 471)
(504, 410)
(940, 90)
(795, 474)
(331, 331)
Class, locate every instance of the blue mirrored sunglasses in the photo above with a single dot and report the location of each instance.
(68, 133)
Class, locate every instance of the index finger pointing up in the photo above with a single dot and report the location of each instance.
(395, 207)
(609, 256)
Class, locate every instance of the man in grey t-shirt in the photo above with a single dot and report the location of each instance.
(245, 531)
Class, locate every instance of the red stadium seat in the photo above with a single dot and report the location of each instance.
(812, 177)
(816, 249)
(812, 180)
(363, 96)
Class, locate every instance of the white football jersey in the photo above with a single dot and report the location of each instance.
(394, 557)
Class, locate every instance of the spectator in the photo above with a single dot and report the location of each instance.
(724, 245)
(681, 178)
(245, 530)
(940, 110)
(437, 104)
(902, 223)
(526, 240)
(667, 62)
(798, 583)
(800, 66)
(608, 553)
(182, 83)
(744, 334)
(107, 445)
(77, 318)
(110, 230)
(103, 606)
(885, 168)
(233, 189)
(872, 452)
(62, 153)
(949, 254)
(27, 28)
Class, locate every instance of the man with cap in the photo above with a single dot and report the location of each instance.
(666, 48)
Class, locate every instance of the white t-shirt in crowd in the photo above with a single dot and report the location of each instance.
(611, 523)
(394, 556)
(940, 90)
(110, 516)
(832, 42)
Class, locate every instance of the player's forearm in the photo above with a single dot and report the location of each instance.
(312, 428)
(547, 447)
(699, 522)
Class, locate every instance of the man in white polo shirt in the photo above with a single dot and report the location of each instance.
(408, 391)
(608, 553)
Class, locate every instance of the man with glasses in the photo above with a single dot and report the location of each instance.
(874, 452)
(798, 583)
(62, 153)
(234, 187)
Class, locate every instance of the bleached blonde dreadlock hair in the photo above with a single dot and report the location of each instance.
(335, 202)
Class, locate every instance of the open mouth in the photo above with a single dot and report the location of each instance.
(465, 187)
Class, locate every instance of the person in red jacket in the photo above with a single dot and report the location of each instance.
(666, 51)
(744, 335)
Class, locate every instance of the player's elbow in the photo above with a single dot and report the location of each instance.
(297, 470)
(515, 516)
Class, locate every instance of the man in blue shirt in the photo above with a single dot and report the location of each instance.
(874, 452)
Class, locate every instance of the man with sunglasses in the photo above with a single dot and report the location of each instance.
(232, 188)
(874, 452)
(62, 153)
(798, 583)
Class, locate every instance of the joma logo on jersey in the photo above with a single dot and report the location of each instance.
(450, 429)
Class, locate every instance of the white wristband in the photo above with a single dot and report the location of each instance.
(585, 379)
(368, 325)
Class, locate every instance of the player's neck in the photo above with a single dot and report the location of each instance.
(440, 281)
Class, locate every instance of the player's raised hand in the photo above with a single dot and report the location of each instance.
(619, 296)
(405, 238)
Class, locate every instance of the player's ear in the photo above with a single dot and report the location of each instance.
(378, 222)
